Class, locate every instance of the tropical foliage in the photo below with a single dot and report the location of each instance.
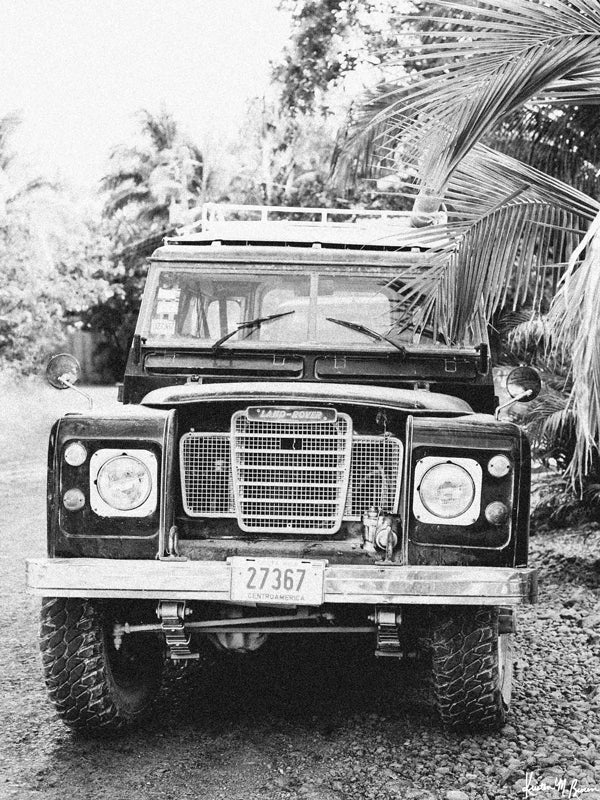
(332, 40)
(280, 158)
(150, 187)
(50, 262)
(508, 225)
(155, 181)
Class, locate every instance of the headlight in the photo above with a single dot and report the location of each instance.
(123, 483)
(447, 490)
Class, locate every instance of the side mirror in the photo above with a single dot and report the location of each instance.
(62, 371)
(523, 384)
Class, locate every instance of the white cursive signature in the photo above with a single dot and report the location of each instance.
(567, 789)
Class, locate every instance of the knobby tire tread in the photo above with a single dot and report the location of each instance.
(464, 653)
(76, 670)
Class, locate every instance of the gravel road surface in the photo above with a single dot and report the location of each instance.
(319, 721)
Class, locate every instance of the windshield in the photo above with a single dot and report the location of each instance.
(197, 308)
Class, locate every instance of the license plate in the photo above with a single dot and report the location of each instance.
(277, 580)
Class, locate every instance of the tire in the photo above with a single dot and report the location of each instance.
(94, 687)
(471, 668)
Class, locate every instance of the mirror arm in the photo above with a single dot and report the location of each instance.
(483, 358)
(137, 347)
(67, 384)
(518, 398)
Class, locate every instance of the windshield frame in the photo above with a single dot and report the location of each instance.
(313, 271)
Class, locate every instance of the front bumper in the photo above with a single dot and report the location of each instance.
(211, 580)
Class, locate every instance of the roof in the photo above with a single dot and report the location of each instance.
(282, 256)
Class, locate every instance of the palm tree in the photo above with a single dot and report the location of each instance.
(150, 188)
(508, 224)
(152, 184)
(14, 186)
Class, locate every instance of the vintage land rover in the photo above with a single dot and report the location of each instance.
(289, 459)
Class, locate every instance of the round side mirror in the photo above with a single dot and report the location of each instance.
(62, 371)
(524, 384)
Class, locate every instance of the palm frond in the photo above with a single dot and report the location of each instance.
(481, 260)
(556, 141)
(127, 195)
(509, 226)
(549, 419)
(485, 178)
(502, 58)
(529, 332)
(575, 320)
(161, 128)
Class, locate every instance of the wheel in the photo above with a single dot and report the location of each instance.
(471, 667)
(93, 686)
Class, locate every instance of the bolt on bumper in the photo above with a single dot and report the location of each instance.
(211, 580)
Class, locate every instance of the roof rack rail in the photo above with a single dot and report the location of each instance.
(215, 213)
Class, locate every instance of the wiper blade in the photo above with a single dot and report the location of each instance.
(356, 326)
(252, 323)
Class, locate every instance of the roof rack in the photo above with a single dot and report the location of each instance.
(229, 212)
(231, 223)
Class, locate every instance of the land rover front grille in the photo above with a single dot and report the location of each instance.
(282, 477)
(311, 462)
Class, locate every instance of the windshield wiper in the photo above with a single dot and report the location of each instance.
(356, 326)
(252, 323)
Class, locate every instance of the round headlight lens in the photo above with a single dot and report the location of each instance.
(447, 490)
(75, 454)
(124, 482)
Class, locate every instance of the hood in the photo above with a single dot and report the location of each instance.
(288, 391)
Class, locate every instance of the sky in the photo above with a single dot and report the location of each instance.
(78, 70)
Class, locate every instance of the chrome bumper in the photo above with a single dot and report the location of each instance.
(211, 580)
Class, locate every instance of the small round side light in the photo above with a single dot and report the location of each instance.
(496, 513)
(73, 500)
(499, 466)
(75, 454)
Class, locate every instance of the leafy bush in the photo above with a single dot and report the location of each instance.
(50, 259)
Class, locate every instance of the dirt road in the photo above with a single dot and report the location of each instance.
(317, 721)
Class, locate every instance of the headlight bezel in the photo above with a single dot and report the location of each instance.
(473, 511)
(100, 459)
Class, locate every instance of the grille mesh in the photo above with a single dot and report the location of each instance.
(303, 490)
(290, 477)
(206, 475)
(374, 475)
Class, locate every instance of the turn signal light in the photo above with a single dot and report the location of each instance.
(496, 513)
(75, 454)
(73, 500)
(499, 466)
